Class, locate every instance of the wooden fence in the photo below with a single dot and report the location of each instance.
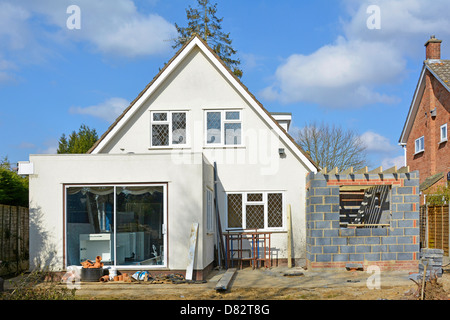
(14, 239)
(435, 227)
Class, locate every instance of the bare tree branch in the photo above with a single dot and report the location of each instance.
(333, 146)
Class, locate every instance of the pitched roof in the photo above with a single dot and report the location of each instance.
(440, 69)
(164, 72)
(431, 181)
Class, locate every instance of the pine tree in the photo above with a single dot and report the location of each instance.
(203, 22)
(79, 142)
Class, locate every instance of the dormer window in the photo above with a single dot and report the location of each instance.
(223, 127)
(168, 128)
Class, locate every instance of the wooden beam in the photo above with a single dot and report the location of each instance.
(324, 170)
(289, 237)
(362, 170)
(377, 170)
(403, 169)
(348, 171)
(224, 282)
(390, 170)
(192, 249)
(334, 171)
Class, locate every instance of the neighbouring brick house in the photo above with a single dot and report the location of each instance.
(425, 133)
(363, 218)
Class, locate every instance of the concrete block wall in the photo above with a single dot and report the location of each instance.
(391, 248)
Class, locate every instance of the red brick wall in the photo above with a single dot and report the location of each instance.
(433, 50)
(436, 157)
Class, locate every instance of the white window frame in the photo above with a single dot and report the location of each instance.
(223, 122)
(443, 129)
(169, 123)
(114, 232)
(421, 147)
(264, 202)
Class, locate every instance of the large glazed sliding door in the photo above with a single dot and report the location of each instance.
(139, 225)
(124, 224)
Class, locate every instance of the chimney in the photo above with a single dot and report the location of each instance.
(433, 48)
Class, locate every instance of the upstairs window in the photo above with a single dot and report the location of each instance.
(444, 136)
(420, 145)
(223, 127)
(169, 128)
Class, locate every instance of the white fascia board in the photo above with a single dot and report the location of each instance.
(413, 108)
(255, 106)
(144, 96)
(227, 75)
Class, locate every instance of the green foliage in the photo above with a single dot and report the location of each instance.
(78, 142)
(38, 285)
(203, 22)
(438, 196)
(13, 188)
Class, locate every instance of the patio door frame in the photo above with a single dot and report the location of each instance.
(164, 227)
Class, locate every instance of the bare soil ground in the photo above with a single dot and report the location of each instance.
(277, 284)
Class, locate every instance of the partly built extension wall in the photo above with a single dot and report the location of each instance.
(393, 245)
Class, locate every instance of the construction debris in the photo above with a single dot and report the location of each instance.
(225, 280)
(429, 289)
(434, 258)
(89, 264)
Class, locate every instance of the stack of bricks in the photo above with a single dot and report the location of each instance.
(393, 247)
(433, 259)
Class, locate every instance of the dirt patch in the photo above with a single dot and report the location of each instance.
(275, 284)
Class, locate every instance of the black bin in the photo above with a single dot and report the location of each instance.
(91, 274)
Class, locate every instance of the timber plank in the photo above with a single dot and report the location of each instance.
(224, 282)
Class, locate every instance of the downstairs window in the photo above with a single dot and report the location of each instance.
(255, 210)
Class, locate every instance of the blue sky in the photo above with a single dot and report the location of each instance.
(316, 59)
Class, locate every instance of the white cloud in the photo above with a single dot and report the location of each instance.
(112, 28)
(381, 151)
(108, 110)
(350, 71)
(398, 161)
(338, 75)
(116, 28)
(13, 30)
(376, 143)
(5, 70)
(50, 147)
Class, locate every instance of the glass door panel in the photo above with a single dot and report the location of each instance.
(139, 223)
(90, 223)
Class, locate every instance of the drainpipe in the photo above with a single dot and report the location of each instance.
(404, 152)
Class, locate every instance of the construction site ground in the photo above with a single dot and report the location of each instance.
(278, 283)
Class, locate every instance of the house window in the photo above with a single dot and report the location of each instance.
(419, 145)
(364, 206)
(123, 224)
(223, 127)
(169, 128)
(444, 136)
(255, 210)
(209, 211)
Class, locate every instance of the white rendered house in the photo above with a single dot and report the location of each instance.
(134, 197)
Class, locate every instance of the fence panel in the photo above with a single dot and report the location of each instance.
(14, 238)
(438, 228)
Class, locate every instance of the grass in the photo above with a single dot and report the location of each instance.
(38, 285)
